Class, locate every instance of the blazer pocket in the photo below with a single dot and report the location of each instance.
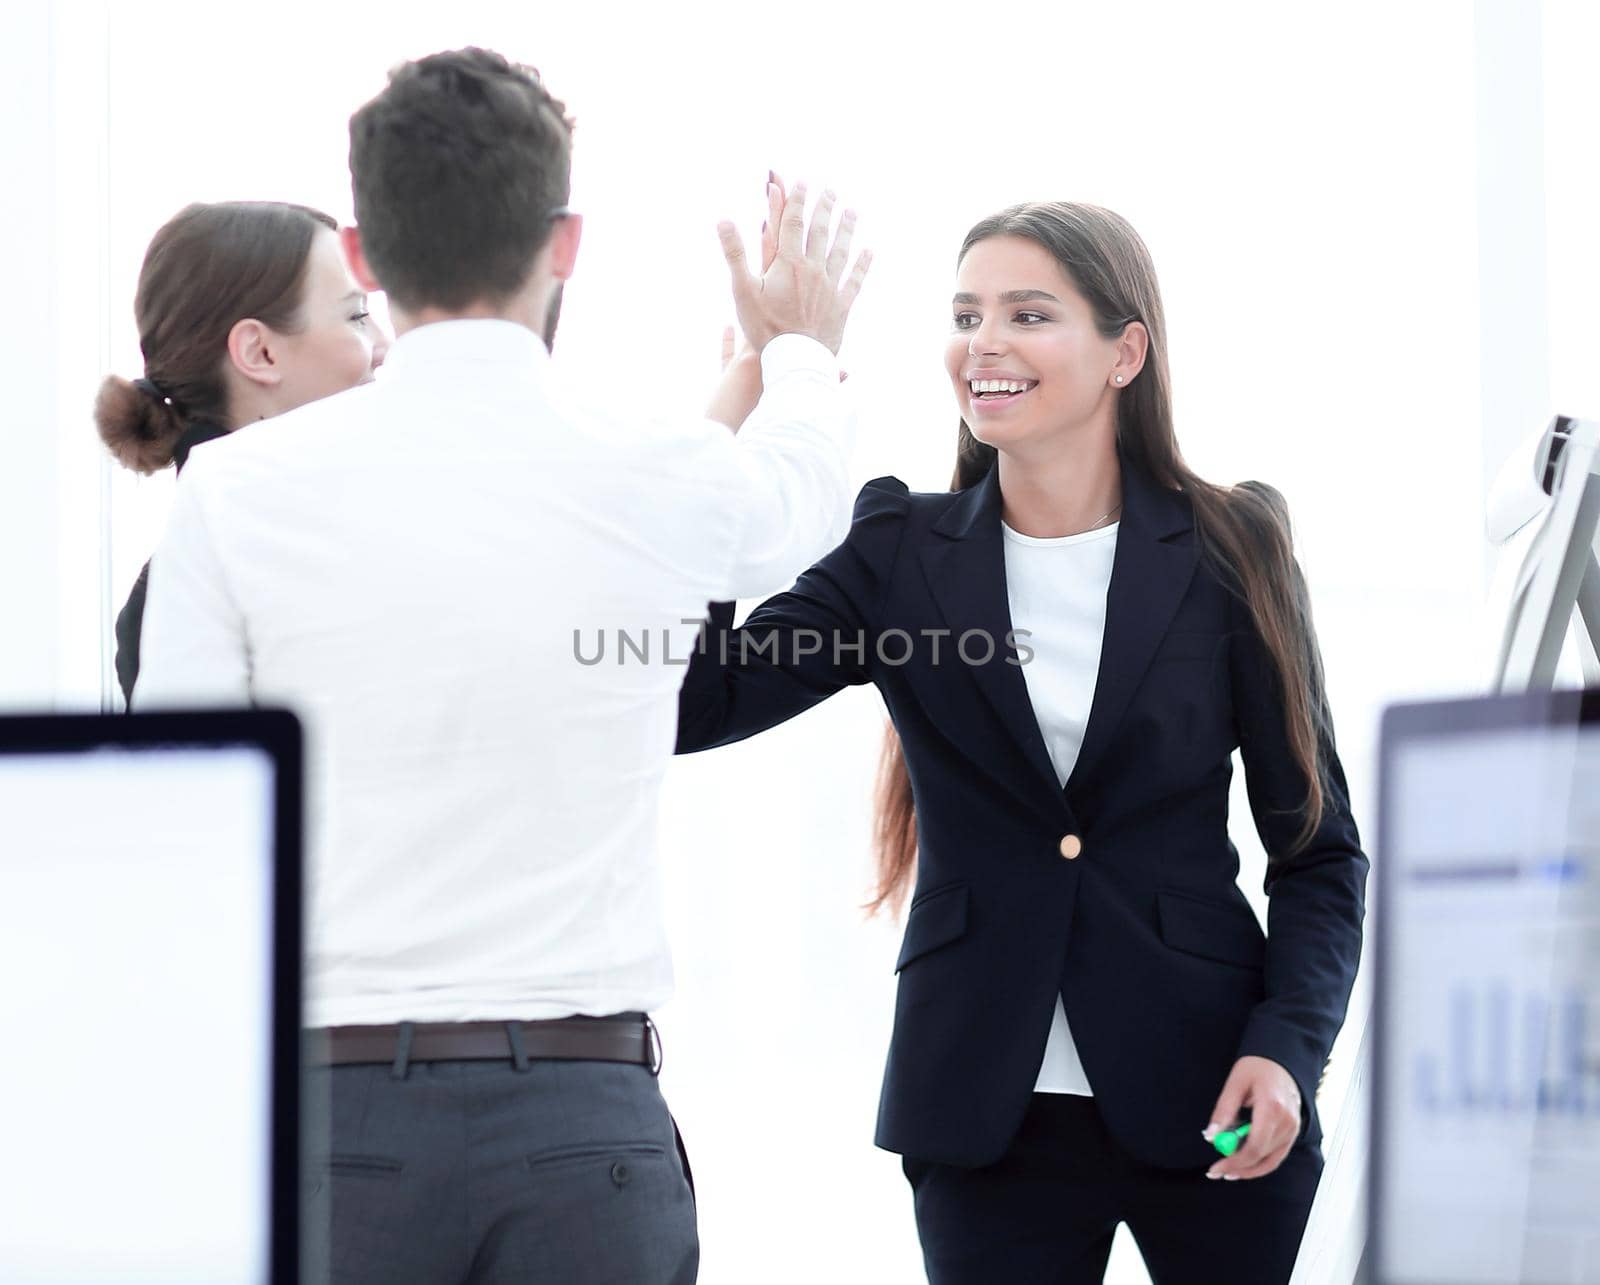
(1212, 929)
(1182, 644)
(936, 919)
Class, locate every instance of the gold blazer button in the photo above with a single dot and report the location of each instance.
(1071, 846)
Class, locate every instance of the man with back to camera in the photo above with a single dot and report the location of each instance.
(408, 566)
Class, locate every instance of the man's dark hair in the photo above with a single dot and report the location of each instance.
(456, 167)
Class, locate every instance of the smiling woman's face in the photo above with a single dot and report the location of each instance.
(338, 345)
(1017, 319)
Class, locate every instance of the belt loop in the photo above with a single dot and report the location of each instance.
(519, 1055)
(402, 1053)
(653, 1046)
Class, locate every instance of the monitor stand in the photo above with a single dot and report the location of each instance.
(1558, 582)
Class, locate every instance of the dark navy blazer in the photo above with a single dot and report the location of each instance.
(1166, 976)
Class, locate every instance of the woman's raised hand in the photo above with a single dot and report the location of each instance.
(805, 289)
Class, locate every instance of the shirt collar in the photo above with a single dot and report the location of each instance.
(469, 339)
(194, 435)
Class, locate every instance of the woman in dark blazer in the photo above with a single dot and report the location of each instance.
(1071, 644)
(245, 309)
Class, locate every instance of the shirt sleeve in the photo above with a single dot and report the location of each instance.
(193, 648)
(788, 469)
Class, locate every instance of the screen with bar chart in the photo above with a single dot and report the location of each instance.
(1487, 1098)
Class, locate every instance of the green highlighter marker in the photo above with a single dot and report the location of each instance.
(1227, 1142)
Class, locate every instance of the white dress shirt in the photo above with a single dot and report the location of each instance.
(1057, 591)
(414, 567)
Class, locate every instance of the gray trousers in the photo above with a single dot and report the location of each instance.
(475, 1173)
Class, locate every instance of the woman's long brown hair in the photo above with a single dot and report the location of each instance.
(1243, 530)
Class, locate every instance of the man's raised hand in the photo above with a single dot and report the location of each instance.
(807, 289)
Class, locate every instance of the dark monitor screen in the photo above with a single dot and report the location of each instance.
(1486, 1144)
(149, 997)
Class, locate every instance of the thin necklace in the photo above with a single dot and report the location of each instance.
(1090, 528)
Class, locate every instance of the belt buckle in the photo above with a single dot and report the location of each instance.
(657, 1051)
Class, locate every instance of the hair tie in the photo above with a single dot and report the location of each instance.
(155, 391)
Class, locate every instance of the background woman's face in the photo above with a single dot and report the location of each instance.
(339, 345)
(1017, 318)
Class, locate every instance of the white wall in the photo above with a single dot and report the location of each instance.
(28, 486)
(1572, 126)
(1320, 196)
(54, 524)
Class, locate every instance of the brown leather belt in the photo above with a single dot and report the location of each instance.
(624, 1037)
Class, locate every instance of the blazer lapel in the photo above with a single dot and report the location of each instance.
(1155, 561)
(966, 573)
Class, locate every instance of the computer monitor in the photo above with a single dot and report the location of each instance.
(1486, 1102)
(150, 897)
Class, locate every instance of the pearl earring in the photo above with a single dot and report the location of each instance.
(1119, 379)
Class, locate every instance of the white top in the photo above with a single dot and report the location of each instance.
(1057, 591)
(414, 566)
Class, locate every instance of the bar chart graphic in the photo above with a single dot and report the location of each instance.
(1511, 1052)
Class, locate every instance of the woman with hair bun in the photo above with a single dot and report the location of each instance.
(245, 309)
